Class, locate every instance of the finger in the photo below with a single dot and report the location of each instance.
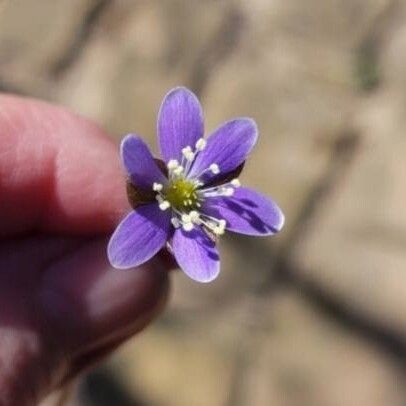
(88, 306)
(58, 172)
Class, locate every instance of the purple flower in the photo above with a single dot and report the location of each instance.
(194, 196)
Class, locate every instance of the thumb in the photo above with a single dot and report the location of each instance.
(91, 308)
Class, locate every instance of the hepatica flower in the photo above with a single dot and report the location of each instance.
(193, 196)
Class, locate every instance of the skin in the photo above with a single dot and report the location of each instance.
(61, 307)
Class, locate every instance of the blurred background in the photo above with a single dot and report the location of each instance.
(316, 315)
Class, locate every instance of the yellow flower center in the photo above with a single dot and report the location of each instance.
(181, 194)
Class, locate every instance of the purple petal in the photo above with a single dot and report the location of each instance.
(247, 212)
(180, 123)
(139, 162)
(228, 147)
(139, 237)
(196, 254)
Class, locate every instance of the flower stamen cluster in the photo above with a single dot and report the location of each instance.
(185, 194)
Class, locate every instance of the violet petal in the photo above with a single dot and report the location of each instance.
(139, 162)
(180, 123)
(196, 254)
(139, 236)
(246, 212)
(228, 147)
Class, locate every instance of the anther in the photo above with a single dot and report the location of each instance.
(187, 226)
(157, 187)
(222, 223)
(178, 170)
(236, 182)
(227, 191)
(201, 144)
(194, 216)
(172, 164)
(164, 205)
(218, 230)
(186, 218)
(214, 168)
(188, 153)
(190, 156)
(175, 222)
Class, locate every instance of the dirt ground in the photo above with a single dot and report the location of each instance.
(315, 316)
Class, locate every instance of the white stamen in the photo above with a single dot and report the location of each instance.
(227, 191)
(175, 222)
(172, 164)
(198, 183)
(216, 191)
(157, 187)
(216, 226)
(236, 182)
(218, 230)
(186, 218)
(164, 205)
(222, 223)
(190, 156)
(178, 170)
(159, 198)
(214, 168)
(194, 216)
(201, 144)
(188, 153)
(187, 226)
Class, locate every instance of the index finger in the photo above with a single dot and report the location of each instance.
(59, 172)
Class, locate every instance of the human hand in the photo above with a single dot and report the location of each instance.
(61, 307)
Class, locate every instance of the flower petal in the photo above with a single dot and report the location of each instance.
(247, 212)
(139, 237)
(196, 254)
(228, 147)
(139, 162)
(180, 123)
